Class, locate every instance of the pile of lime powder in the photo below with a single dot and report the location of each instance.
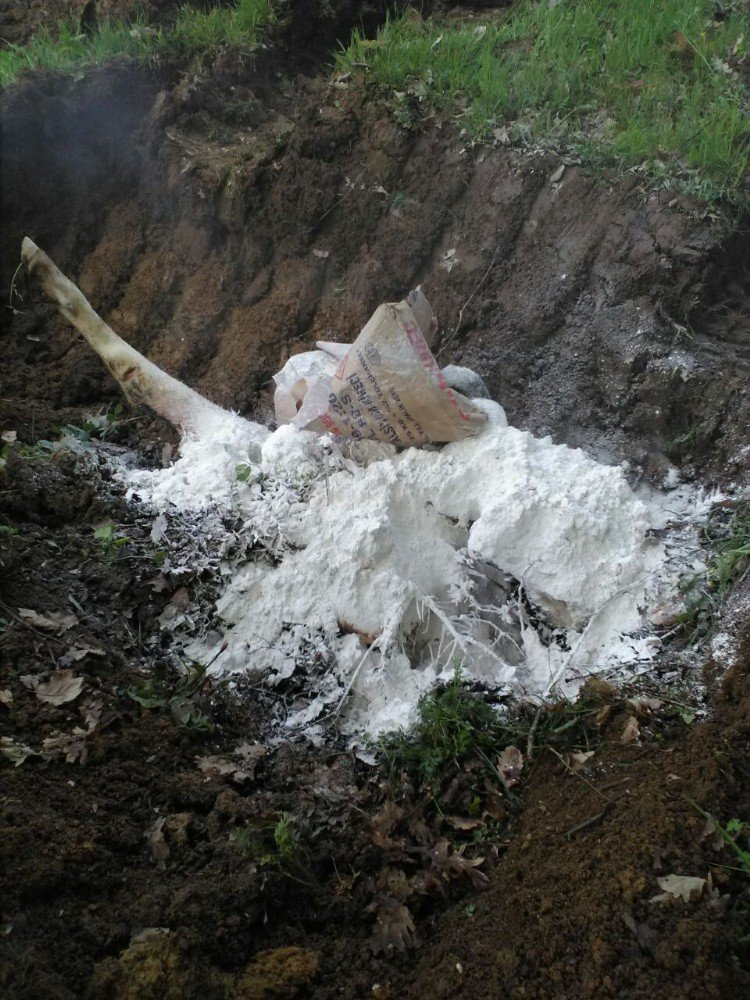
(375, 572)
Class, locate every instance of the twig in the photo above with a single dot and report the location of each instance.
(614, 784)
(481, 281)
(532, 733)
(352, 679)
(579, 642)
(353, 187)
(588, 822)
(581, 777)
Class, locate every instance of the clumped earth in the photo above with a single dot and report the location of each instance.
(158, 842)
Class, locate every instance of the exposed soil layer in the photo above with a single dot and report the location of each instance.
(221, 221)
(234, 218)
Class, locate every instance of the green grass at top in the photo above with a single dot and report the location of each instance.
(193, 32)
(626, 81)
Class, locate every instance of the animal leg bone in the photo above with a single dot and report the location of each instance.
(141, 380)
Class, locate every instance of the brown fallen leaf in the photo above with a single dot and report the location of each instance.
(55, 621)
(249, 754)
(684, 887)
(394, 929)
(644, 706)
(577, 761)
(464, 822)
(77, 653)
(174, 613)
(631, 733)
(15, 752)
(61, 688)
(222, 767)
(92, 713)
(71, 745)
(510, 765)
(384, 822)
(451, 865)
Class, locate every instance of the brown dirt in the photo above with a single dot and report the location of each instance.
(188, 210)
(197, 210)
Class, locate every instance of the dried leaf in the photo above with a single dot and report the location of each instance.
(644, 706)
(557, 174)
(452, 865)
(174, 614)
(92, 714)
(418, 828)
(157, 845)
(61, 688)
(72, 745)
(159, 529)
(222, 767)
(684, 887)
(384, 822)
(57, 622)
(249, 754)
(16, 752)
(631, 733)
(6, 696)
(576, 761)
(30, 681)
(394, 928)
(322, 254)
(464, 822)
(77, 653)
(449, 260)
(510, 765)
(9, 437)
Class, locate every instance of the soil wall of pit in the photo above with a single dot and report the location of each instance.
(226, 221)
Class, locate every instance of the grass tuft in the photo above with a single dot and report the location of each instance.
(455, 746)
(194, 32)
(647, 84)
(726, 535)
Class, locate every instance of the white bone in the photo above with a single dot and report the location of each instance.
(141, 381)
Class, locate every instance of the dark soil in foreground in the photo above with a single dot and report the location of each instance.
(189, 210)
(131, 872)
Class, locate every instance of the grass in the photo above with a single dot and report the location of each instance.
(178, 699)
(727, 536)
(455, 746)
(194, 32)
(645, 83)
(275, 846)
(731, 834)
